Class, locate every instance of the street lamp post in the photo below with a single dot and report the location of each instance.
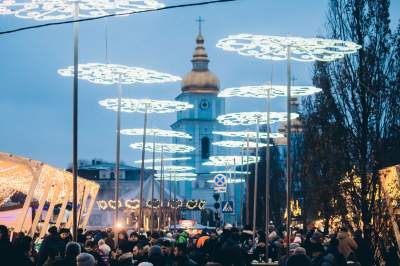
(255, 187)
(142, 171)
(117, 161)
(152, 184)
(42, 11)
(277, 48)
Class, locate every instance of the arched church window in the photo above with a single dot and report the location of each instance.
(205, 148)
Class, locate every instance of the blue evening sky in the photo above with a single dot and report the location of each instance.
(36, 103)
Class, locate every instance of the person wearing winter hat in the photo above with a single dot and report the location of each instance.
(85, 259)
(145, 264)
(155, 256)
(72, 250)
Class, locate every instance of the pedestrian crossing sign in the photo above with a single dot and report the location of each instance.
(227, 206)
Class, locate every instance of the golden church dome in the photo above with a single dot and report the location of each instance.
(200, 79)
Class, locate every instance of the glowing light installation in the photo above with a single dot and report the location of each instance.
(231, 172)
(43, 10)
(174, 168)
(250, 134)
(165, 147)
(145, 105)
(286, 48)
(230, 160)
(275, 47)
(238, 144)
(251, 118)
(179, 179)
(156, 132)
(108, 74)
(180, 175)
(261, 91)
(158, 160)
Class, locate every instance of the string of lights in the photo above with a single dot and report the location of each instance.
(110, 15)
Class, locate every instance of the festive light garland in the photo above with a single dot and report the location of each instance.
(173, 168)
(108, 74)
(261, 91)
(142, 105)
(172, 159)
(133, 204)
(157, 132)
(249, 134)
(238, 144)
(164, 147)
(42, 10)
(275, 47)
(229, 160)
(166, 176)
(250, 118)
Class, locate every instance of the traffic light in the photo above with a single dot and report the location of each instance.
(216, 197)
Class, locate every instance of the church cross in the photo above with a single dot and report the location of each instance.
(200, 20)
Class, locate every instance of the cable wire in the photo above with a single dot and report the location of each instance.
(113, 15)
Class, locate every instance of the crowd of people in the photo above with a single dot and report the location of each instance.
(228, 246)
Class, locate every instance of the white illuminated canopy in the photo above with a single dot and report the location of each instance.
(178, 179)
(261, 91)
(247, 134)
(167, 175)
(155, 131)
(141, 105)
(275, 47)
(108, 74)
(171, 159)
(173, 168)
(230, 181)
(238, 144)
(250, 118)
(164, 147)
(234, 172)
(63, 9)
(230, 160)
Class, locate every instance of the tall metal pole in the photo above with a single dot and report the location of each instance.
(267, 177)
(175, 206)
(255, 185)
(234, 190)
(117, 161)
(247, 183)
(170, 196)
(288, 159)
(241, 187)
(142, 170)
(75, 127)
(160, 208)
(152, 185)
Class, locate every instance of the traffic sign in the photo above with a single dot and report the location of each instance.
(220, 189)
(227, 206)
(220, 180)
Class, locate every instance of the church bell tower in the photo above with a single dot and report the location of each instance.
(199, 87)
